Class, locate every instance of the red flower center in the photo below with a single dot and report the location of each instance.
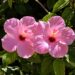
(52, 39)
(22, 38)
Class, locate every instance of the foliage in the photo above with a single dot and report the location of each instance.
(11, 64)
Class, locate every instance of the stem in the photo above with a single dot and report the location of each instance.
(42, 6)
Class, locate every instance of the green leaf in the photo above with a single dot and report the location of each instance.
(46, 66)
(2, 53)
(50, 3)
(35, 58)
(1, 72)
(25, 65)
(10, 3)
(48, 16)
(72, 4)
(25, 1)
(67, 14)
(70, 57)
(73, 21)
(59, 67)
(72, 72)
(60, 4)
(9, 58)
(70, 60)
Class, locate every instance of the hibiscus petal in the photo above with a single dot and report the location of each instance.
(40, 45)
(40, 28)
(56, 22)
(58, 50)
(25, 50)
(68, 35)
(9, 43)
(10, 25)
(27, 20)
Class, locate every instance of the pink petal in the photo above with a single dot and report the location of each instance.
(68, 35)
(56, 22)
(25, 50)
(58, 50)
(40, 28)
(10, 25)
(40, 46)
(9, 43)
(27, 20)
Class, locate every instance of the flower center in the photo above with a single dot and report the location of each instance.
(52, 39)
(22, 38)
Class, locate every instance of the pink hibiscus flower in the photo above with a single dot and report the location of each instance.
(55, 37)
(19, 36)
